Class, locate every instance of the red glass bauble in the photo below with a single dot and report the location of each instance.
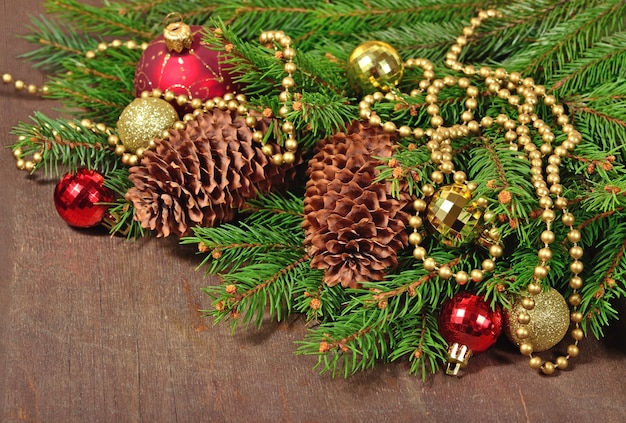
(76, 196)
(467, 319)
(195, 71)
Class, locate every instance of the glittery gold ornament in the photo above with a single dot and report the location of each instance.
(374, 65)
(144, 120)
(453, 214)
(549, 320)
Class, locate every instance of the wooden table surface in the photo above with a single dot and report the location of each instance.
(99, 329)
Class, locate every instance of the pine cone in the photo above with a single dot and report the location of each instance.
(202, 175)
(354, 227)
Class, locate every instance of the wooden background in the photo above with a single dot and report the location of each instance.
(94, 328)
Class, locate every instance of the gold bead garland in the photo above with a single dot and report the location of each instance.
(523, 94)
(270, 39)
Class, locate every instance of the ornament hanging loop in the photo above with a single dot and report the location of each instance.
(177, 34)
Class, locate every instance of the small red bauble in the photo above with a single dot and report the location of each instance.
(76, 196)
(469, 325)
(180, 62)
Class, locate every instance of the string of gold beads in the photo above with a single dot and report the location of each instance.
(22, 86)
(514, 88)
(272, 39)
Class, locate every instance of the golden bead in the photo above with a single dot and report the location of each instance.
(573, 350)
(477, 275)
(437, 176)
(461, 277)
(419, 204)
(548, 216)
(375, 120)
(291, 144)
(436, 121)
(289, 157)
(540, 272)
(257, 136)
(534, 288)
(428, 190)
(535, 363)
(419, 253)
(576, 317)
(495, 251)
(547, 237)
(415, 238)
(575, 299)
(430, 264)
(525, 348)
(287, 127)
(523, 318)
(576, 282)
(486, 122)
(544, 254)
(459, 177)
(289, 54)
(277, 159)
(415, 222)
(522, 333)
(576, 252)
(404, 131)
(288, 82)
(267, 149)
(488, 265)
(577, 334)
(576, 267)
(389, 127)
(574, 235)
(548, 368)
(528, 303)
(444, 272)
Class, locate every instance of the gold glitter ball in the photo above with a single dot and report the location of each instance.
(549, 320)
(144, 120)
(452, 213)
(374, 65)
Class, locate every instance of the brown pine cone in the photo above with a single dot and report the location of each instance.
(354, 227)
(202, 175)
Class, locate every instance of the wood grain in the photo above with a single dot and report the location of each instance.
(98, 329)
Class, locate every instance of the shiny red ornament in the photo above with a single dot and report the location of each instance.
(469, 325)
(76, 198)
(184, 66)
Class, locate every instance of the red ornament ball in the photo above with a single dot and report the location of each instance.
(179, 61)
(76, 196)
(468, 320)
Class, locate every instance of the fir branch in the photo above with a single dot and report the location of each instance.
(97, 20)
(64, 144)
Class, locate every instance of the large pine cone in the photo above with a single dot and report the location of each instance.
(202, 175)
(354, 227)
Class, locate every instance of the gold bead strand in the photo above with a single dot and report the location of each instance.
(288, 54)
(21, 86)
(103, 47)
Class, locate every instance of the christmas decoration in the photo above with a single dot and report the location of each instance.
(81, 198)
(452, 213)
(354, 227)
(143, 120)
(511, 159)
(179, 61)
(202, 175)
(548, 324)
(469, 325)
(374, 65)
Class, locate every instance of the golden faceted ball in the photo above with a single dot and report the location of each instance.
(454, 215)
(143, 120)
(549, 320)
(374, 65)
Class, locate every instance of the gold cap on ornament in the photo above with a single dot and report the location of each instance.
(177, 34)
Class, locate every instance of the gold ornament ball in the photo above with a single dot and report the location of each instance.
(549, 320)
(144, 120)
(374, 65)
(454, 215)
